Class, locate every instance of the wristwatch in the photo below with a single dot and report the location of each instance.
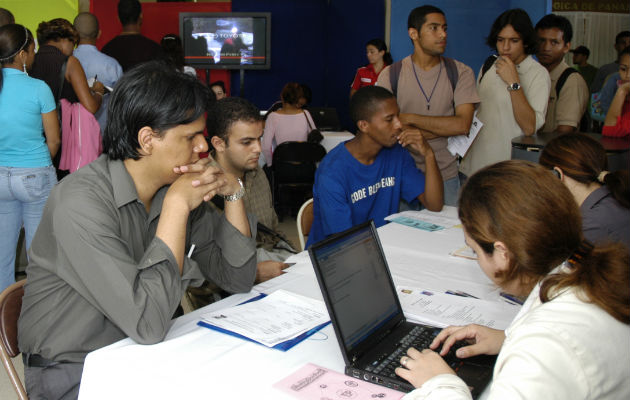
(513, 86)
(238, 194)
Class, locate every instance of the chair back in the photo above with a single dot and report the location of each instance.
(304, 221)
(10, 307)
(295, 162)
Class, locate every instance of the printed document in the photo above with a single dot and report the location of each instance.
(274, 319)
(441, 309)
(459, 145)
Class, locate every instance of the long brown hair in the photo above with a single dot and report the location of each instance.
(523, 205)
(583, 159)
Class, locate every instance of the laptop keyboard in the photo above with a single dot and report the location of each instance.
(419, 338)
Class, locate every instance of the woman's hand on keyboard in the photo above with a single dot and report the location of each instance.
(419, 367)
(481, 339)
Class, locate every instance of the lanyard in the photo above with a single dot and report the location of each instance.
(428, 99)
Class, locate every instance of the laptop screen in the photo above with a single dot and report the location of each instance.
(357, 283)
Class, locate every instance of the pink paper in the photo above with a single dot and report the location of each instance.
(312, 382)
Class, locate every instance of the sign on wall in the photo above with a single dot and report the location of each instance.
(607, 6)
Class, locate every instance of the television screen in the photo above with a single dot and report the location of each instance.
(226, 40)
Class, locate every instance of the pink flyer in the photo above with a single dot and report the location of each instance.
(318, 383)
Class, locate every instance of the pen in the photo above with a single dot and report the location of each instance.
(511, 298)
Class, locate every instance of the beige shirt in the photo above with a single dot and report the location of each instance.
(411, 100)
(569, 107)
(494, 141)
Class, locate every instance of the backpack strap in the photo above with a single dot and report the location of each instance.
(394, 73)
(487, 64)
(562, 79)
(451, 72)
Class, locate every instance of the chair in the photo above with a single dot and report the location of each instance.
(293, 174)
(304, 221)
(10, 306)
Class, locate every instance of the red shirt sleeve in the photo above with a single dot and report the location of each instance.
(622, 128)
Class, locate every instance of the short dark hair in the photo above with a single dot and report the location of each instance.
(227, 111)
(556, 21)
(129, 11)
(621, 35)
(220, 84)
(56, 29)
(291, 93)
(6, 17)
(365, 102)
(152, 94)
(521, 23)
(418, 16)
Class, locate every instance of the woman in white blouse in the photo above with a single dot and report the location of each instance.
(570, 339)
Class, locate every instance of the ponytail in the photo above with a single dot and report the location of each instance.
(601, 277)
(387, 58)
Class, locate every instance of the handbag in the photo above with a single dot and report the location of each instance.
(314, 135)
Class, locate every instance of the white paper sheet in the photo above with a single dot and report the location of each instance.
(441, 310)
(276, 318)
(461, 143)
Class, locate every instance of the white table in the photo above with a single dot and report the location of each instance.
(195, 362)
(332, 139)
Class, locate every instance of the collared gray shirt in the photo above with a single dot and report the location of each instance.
(97, 272)
(604, 219)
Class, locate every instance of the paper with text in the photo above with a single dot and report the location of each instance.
(312, 382)
(429, 220)
(441, 310)
(274, 319)
(461, 143)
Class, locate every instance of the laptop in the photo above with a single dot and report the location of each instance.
(325, 118)
(367, 317)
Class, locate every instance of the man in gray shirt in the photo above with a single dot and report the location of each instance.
(122, 238)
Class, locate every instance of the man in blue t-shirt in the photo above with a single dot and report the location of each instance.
(365, 177)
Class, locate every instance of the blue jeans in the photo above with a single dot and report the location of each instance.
(23, 194)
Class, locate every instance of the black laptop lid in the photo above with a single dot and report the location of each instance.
(325, 118)
(358, 290)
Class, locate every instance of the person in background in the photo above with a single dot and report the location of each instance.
(235, 127)
(218, 88)
(57, 38)
(514, 92)
(378, 58)
(566, 108)
(95, 64)
(576, 294)
(122, 238)
(435, 94)
(617, 123)
(366, 177)
(580, 59)
(131, 48)
(581, 164)
(6, 17)
(27, 107)
(174, 54)
(289, 123)
(622, 40)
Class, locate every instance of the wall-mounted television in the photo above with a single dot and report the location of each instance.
(226, 40)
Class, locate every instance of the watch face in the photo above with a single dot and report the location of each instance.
(514, 86)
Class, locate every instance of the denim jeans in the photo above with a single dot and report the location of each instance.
(23, 194)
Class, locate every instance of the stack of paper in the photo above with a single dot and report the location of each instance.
(441, 309)
(279, 320)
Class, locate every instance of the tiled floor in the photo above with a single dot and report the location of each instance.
(288, 227)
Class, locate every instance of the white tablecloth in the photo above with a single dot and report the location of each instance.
(195, 362)
(332, 139)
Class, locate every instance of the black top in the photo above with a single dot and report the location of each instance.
(131, 50)
(47, 67)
